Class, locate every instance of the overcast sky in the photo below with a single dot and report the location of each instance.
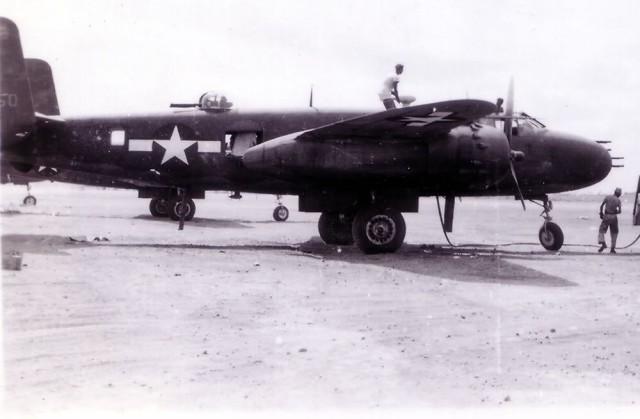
(575, 63)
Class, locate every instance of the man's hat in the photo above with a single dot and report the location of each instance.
(618, 191)
(399, 65)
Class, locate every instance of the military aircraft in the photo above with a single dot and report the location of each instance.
(361, 171)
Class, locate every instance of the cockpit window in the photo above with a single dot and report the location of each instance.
(215, 101)
(525, 119)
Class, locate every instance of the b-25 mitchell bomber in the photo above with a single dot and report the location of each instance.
(360, 171)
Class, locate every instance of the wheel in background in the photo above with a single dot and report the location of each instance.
(158, 207)
(281, 213)
(30, 200)
(336, 228)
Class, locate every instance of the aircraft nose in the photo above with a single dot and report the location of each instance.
(601, 162)
(585, 162)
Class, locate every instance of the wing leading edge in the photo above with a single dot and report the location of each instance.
(413, 122)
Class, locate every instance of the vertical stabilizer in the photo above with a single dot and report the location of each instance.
(43, 89)
(16, 106)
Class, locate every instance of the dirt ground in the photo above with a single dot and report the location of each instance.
(239, 312)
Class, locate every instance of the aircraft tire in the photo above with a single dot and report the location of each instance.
(336, 229)
(30, 200)
(174, 206)
(281, 213)
(158, 207)
(378, 230)
(551, 237)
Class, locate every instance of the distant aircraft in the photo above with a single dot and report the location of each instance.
(360, 171)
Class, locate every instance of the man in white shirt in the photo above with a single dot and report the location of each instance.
(389, 92)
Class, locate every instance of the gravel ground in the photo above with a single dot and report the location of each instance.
(238, 312)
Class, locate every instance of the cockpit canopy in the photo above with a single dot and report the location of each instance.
(525, 120)
(215, 101)
(520, 121)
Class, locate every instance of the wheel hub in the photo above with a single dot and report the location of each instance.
(547, 237)
(180, 209)
(161, 206)
(381, 229)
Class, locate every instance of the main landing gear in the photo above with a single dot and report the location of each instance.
(373, 229)
(550, 234)
(172, 207)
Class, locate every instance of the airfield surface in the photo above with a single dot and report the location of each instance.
(240, 312)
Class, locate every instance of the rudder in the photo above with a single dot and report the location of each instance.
(17, 116)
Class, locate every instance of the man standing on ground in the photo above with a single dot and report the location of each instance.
(389, 91)
(609, 210)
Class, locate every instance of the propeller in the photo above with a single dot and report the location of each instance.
(514, 155)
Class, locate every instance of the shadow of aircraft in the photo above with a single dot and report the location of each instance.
(480, 265)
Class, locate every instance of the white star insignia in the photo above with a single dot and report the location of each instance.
(174, 147)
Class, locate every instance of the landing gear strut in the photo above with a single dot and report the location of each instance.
(550, 234)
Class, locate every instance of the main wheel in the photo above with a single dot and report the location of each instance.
(336, 228)
(378, 230)
(158, 207)
(551, 236)
(30, 200)
(174, 208)
(281, 213)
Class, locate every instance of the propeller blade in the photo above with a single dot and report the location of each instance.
(508, 123)
(508, 113)
(513, 173)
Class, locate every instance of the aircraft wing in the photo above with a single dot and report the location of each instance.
(414, 122)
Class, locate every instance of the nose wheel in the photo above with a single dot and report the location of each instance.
(550, 235)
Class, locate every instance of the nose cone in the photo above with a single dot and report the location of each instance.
(579, 161)
(601, 165)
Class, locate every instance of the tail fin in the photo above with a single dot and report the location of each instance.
(17, 116)
(43, 90)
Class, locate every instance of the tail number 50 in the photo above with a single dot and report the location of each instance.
(8, 100)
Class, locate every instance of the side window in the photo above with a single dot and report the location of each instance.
(117, 137)
(238, 142)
